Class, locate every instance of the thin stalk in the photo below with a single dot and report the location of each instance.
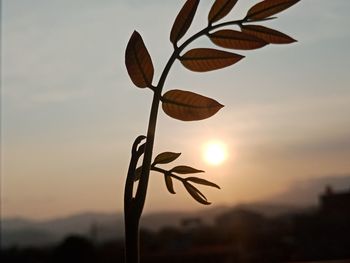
(134, 205)
(160, 170)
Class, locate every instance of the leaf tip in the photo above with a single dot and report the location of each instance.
(183, 20)
(217, 186)
(135, 33)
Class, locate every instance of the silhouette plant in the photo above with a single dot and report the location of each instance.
(185, 105)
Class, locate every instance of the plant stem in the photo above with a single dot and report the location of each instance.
(132, 252)
(160, 170)
(133, 206)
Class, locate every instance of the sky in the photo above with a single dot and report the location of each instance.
(69, 112)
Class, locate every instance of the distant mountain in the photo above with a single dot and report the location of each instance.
(104, 226)
(22, 232)
(271, 210)
(306, 192)
(15, 223)
(27, 237)
(82, 223)
(156, 221)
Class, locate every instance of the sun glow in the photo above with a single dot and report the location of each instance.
(215, 153)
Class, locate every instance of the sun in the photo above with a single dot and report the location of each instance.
(215, 153)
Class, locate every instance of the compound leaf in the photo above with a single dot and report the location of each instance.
(188, 106)
(183, 169)
(267, 34)
(165, 157)
(183, 20)
(196, 194)
(169, 183)
(268, 8)
(220, 9)
(138, 62)
(207, 59)
(202, 181)
(235, 39)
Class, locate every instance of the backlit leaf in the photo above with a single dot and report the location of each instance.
(206, 59)
(268, 8)
(188, 106)
(138, 62)
(235, 39)
(183, 169)
(220, 9)
(196, 194)
(165, 157)
(202, 181)
(169, 183)
(267, 34)
(183, 20)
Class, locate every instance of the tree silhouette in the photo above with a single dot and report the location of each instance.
(185, 105)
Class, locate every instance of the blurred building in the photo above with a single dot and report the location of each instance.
(335, 203)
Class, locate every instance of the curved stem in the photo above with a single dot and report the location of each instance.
(129, 184)
(147, 159)
(134, 206)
